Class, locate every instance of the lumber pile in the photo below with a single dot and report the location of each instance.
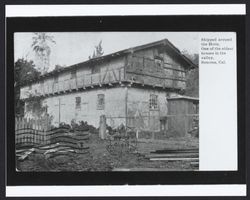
(22, 154)
(191, 155)
(59, 144)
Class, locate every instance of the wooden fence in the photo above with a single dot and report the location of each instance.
(31, 131)
(42, 124)
(39, 133)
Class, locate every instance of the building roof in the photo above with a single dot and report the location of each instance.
(188, 98)
(164, 42)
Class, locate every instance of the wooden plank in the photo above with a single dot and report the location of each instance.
(174, 159)
(187, 155)
(176, 150)
(154, 76)
(146, 169)
(114, 75)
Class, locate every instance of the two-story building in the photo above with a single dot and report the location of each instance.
(129, 86)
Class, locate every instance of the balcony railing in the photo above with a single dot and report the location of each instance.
(174, 79)
(108, 77)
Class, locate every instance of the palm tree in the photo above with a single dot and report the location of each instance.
(41, 47)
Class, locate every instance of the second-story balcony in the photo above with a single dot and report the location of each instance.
(172, 78)
(79, 82)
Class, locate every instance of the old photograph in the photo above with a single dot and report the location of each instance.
(106, 101)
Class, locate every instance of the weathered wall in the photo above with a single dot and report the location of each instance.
(139, 113)
(114, 107)
(83, 76)
(180, 120)
(145, 67)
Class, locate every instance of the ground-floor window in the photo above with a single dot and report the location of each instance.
(100, 101)
(153, 102)
(78, 102)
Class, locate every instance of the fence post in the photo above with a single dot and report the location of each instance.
(102, 128)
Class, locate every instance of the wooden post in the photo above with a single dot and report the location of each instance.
(126, 107)
(102, 128)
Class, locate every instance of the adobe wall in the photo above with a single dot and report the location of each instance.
(114, 107)
(139, 113)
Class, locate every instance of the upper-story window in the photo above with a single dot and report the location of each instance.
(158, 60)
(56, 78)
(183, 74)
(153, 102)
(73, 74)
(100, 101)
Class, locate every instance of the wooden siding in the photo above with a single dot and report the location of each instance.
(181, 115)
(51, 87)
(145, 67)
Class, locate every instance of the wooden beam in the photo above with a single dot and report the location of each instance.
(175, 159)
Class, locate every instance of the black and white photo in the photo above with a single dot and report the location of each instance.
(106, 101)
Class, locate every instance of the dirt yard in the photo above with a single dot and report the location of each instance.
(100, 159)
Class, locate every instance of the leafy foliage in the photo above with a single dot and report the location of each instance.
(193, 57)
(34, 105)
(98, 52)
(57, 67)
(192, 75)
(23, 71)
(192, 83)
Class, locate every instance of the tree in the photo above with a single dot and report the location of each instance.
(57, 67)
(192, 76)
(193, 57)
(98, 52)
(41, 47)
(23, 71)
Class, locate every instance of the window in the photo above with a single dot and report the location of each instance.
(30, 87)
(153, 102)
(73, 74)
(56, 79)
(100, 102)
(158, 60)
(78, 102)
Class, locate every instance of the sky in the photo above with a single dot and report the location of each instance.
(75, 47)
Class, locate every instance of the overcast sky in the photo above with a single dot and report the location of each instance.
(75, 47)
